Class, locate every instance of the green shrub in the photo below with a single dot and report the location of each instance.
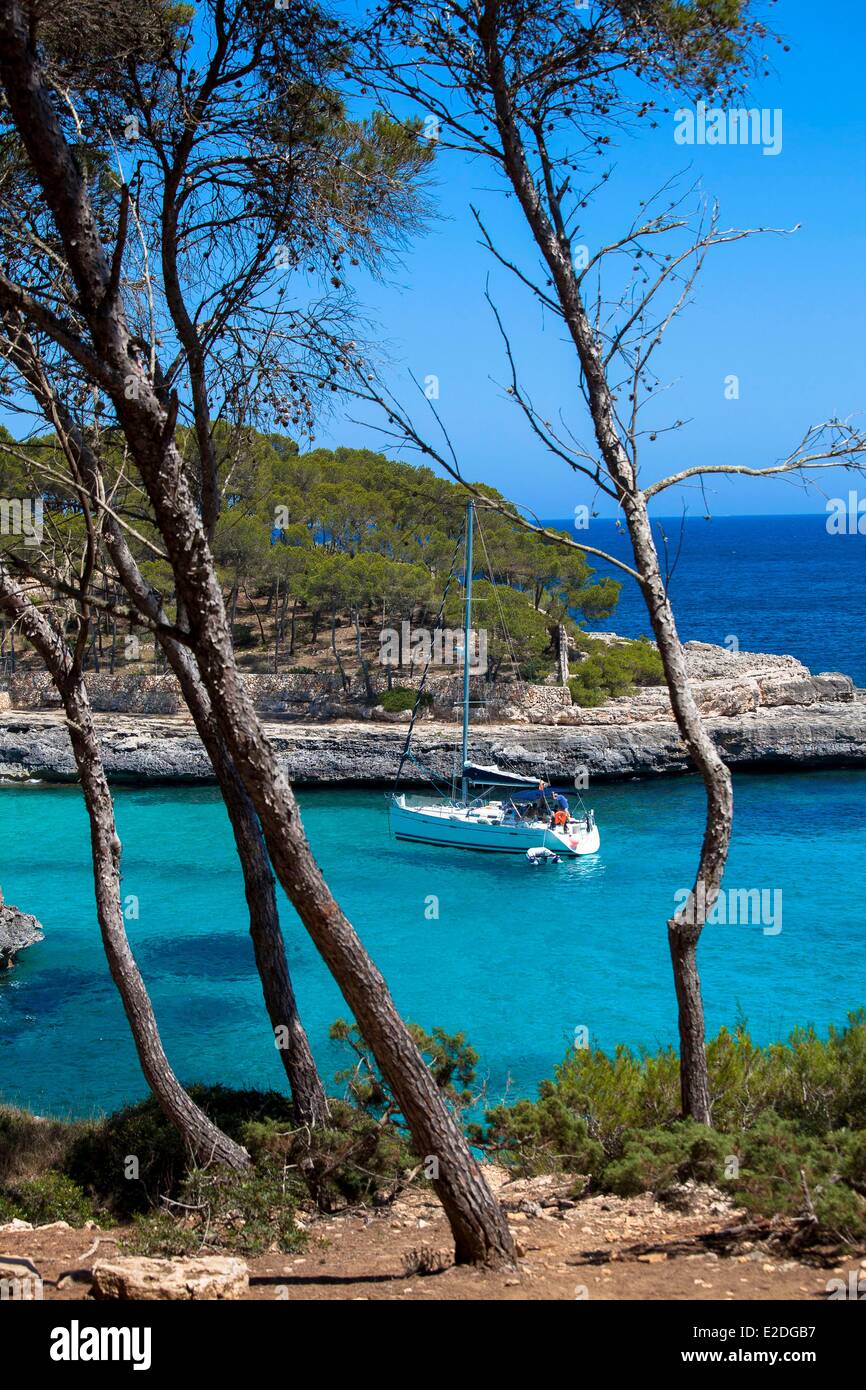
(218, 1208)
(98, 1158)
(540, 1137)
(49, 1197)
(612, 669)
(160, 1233)
(355, 1158)
(403, 697)
(657, 1159)
(792, 1114)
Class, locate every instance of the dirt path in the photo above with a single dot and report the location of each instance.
(567, 1252)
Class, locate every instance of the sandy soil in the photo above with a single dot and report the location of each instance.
(568, 1251)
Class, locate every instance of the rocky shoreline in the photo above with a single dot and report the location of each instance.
(764, 712)
(34, 746)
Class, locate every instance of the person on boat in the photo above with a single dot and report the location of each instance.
(560, 814)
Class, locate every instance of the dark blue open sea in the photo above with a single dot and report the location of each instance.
(517, 958)
(776, 583)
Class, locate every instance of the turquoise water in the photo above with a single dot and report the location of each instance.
(518, 957)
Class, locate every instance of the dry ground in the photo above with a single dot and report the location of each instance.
(567, 1252)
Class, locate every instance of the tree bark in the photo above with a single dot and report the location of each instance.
(362, 662)
(206, 1141)
(562, 653)
(293, 628)
(308, 1093)
(343, 677)
(278, 624)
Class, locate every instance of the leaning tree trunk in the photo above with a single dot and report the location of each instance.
(685, 926)
(206, 1141)
(477, 1221)
(308, 1093)
(480, 1230)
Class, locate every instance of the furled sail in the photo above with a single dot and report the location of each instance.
(496, 777)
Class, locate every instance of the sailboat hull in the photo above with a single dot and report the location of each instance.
(479, 828)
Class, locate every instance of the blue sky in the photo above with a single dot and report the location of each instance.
(786, 315)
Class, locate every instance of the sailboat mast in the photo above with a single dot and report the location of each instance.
(467, 627)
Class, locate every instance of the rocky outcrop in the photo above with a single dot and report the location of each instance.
(821, 734)
(18, 930)
(133, 1277)
(726, 684)
(764, 711)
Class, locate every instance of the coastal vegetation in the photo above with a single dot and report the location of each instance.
(787, 1142)
(610, 669)
(318, 554)
(788, 1135)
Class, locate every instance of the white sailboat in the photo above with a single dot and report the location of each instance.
(496, 812)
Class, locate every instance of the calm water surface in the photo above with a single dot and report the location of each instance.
(518, 958)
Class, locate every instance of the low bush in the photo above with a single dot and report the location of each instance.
(217, 1208)
(99, 1158)
(789, 1136)
(355, 1159)
(403, 697)
(611, 669)
(49, 1197)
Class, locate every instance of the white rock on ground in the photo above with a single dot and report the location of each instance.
(134, 1277)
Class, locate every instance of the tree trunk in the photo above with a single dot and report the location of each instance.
(308, 1094)
(257, 617)
(562, 653)
(343, 678)
(206, 1142)
(278, 624)
(684, 928)
(555, 249)
(694, 1080)
(364, 665)
(293, 629)
(477, 1221)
